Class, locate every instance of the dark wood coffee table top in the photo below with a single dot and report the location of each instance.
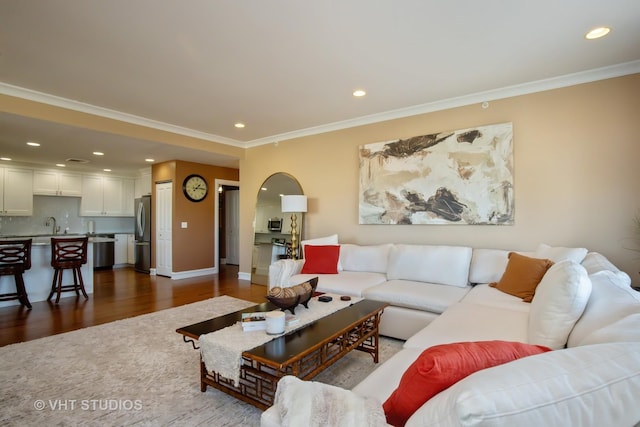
(282, 349)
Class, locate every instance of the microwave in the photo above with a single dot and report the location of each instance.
(274, 224)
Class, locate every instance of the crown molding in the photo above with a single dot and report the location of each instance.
(69, 104)
(461, 101)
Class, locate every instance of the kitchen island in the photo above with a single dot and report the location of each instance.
(37, 280)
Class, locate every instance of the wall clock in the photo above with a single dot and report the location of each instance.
(195, 188)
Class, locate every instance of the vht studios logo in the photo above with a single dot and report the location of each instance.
(88, 405)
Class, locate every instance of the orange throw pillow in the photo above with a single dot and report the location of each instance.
(522, 276)
(441, 366)
(321, 259)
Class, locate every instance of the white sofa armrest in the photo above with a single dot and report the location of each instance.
(281, 271)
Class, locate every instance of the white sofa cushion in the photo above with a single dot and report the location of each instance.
(559, 253)
(417, 295)
(611, 300)
(344, 283)
(385, 379)
(446, 265)
(595, 262)
(624, 330)
(492, 297)
(472, 322)
(558, 303)
(373, 258)
(588, 386)
(488, 265)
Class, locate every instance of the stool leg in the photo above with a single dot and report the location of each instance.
(60, 271)
(53, 283)
(22, 291)
(81, 283)
(75, 282)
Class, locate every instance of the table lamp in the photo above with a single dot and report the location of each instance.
(294, 204)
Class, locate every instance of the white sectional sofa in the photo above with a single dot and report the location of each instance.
(583, 309)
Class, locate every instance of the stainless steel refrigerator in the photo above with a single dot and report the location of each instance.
(143, 234)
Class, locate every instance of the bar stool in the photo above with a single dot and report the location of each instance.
(68, 254)
(15, 259)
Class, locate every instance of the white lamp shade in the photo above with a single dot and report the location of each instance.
(294, 203)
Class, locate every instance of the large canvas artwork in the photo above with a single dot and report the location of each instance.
(459, 177)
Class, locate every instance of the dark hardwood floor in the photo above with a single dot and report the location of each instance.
(118, 294)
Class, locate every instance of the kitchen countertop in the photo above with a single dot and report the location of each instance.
(45, 239)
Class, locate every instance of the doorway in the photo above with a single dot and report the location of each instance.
(164, 197)
(227, 223)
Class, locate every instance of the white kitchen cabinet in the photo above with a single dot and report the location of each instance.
(142, 185)
(106, 196)
(55, 183)
(131, 249)
(120, 249)
(16, 192)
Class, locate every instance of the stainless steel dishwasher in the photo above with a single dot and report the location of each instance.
(103, 251)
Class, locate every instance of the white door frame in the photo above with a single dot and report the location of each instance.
(216, 219)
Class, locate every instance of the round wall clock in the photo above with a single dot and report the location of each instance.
(195, 188)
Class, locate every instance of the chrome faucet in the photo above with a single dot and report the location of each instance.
(55, 227)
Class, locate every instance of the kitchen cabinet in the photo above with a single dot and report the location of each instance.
(142, 185)
(120, 250)
(55, 183)
(16, 192)
(106, 196)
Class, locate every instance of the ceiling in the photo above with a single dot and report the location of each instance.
(285, 68)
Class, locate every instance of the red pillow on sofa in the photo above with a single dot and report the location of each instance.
(441, 366)
(321, 259)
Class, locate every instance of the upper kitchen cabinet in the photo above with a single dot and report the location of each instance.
(16, 192)
(143, 185)
(55, 183)
(106, 196)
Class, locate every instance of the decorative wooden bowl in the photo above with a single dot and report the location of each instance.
(289, 298)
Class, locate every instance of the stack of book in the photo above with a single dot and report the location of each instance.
(257, 321)
(254, 321)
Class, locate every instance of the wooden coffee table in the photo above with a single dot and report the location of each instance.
(304, 353)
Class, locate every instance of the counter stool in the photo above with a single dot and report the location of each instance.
(68, 254)
(15, 259)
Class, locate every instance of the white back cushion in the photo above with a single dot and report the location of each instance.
(445, 265)
(488, 265)
(558, 303)
(595, 262)
(559, 253)
(372, 258)
(589, 386)
(611, 300)
(626, 329)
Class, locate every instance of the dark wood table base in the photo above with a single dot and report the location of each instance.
(259, 376)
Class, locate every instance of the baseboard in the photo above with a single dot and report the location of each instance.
(193, 273)
(244, 276)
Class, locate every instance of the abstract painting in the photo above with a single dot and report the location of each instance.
(457, 177)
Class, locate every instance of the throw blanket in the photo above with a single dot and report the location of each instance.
(324, 405)
(222, 350)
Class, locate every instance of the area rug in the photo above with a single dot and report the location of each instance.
(136, 371)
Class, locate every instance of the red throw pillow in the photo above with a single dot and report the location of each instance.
(321, 259)
(441, 366)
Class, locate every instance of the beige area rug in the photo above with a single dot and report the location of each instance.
(136, 371)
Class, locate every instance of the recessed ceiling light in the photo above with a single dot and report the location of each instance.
(239, 125)
(149, 160)
(107, 170)
(358, 93)
(596, 33)
(264, 189)
(61, 165)
(5, 158)
(33, 144)
(98, 153)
